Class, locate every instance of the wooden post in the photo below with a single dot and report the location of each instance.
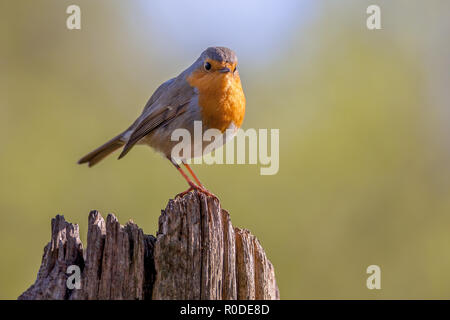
(197, 254)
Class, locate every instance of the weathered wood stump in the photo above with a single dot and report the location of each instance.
(197, 254)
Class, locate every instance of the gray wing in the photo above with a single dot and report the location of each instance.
(169, 101)
(155, 96)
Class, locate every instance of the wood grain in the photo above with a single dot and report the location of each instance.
(196, 254)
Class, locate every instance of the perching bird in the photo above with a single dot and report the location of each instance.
(209, 91)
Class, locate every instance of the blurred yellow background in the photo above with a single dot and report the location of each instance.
(364, 133)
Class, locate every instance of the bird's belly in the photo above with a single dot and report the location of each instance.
(223, 138)
(187, 143)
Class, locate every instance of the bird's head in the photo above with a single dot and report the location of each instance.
(215, 64)
(218, 60)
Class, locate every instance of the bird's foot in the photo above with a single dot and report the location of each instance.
(201, 189)
(206, 192)
(182, 194)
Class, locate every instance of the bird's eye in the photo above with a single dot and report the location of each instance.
(207, 66)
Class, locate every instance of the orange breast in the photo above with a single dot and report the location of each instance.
(221, 98)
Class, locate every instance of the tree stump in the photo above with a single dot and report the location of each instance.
(197, 254)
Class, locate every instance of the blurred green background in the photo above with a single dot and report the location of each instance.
(364, 132)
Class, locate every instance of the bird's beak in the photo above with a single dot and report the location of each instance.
(225, 70)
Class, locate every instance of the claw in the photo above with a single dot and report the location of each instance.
(209, 194)
(199, 189)
(182, 194)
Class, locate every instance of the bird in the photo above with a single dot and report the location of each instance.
(209, 91)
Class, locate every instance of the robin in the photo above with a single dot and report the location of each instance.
(209, 91)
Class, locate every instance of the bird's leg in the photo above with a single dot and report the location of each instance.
(192, 185)
(200, 185)
(193, 175)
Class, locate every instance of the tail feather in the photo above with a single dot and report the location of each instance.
(102, 151)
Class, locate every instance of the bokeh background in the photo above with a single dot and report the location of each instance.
(364, 123)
